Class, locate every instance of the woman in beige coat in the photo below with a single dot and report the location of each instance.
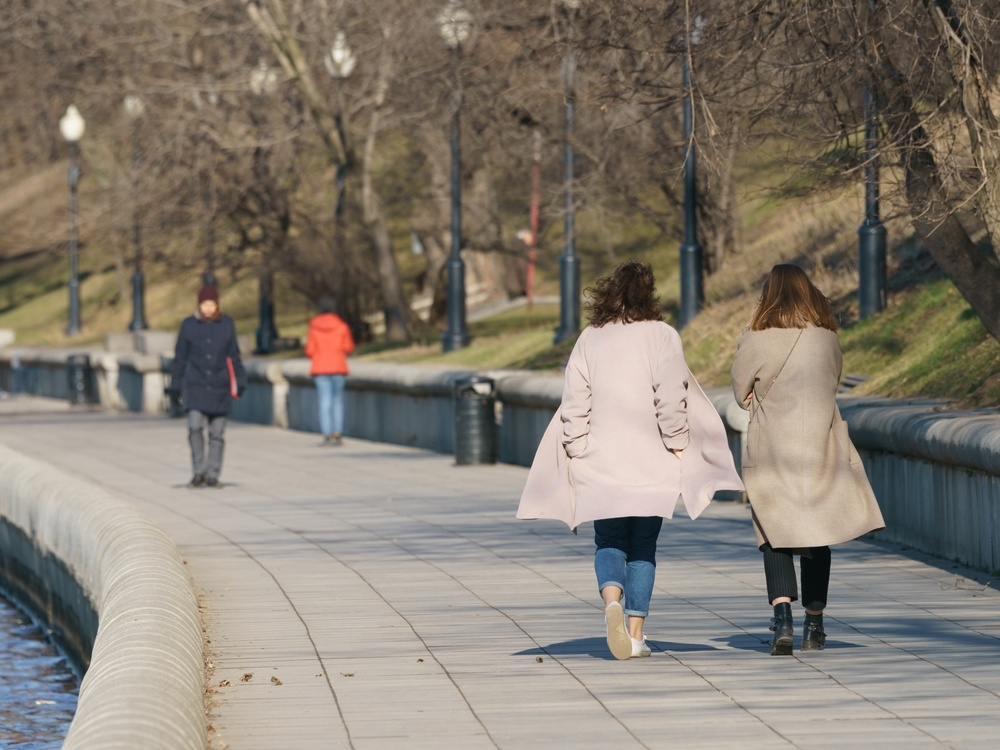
(804, 479)
(634, 432)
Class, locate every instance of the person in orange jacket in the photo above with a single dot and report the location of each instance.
(327, 345)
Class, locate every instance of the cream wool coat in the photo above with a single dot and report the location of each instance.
(803, 476)
(628, 397)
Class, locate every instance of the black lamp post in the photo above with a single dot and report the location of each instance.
(208, 198)
(569, 263)
(456, 23)
(871, 233)
(208, 277)
(262, 82)
(134, 109)
(692, 293)
(340, 62)
(72, 126)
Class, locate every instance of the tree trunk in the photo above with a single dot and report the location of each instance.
(947, 240)
(394, 304)
(933, 215)
(967, 71)
(431, 219)
(272, 21)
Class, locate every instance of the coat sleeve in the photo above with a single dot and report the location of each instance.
(182, 350)
(575, 408)
(745, 373)
(670, 394)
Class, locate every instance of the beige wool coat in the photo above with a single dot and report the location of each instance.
(804, 478)
(628, 397)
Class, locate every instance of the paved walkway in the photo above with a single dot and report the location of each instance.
(376, 596)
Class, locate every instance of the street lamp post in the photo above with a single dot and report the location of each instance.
(871, 233)
(536, 193)
(262, 82)
(208, 277)
(456, 24)
(692, 294)
(72, 126)
(340, 62)
(134, 109)
(569, 263)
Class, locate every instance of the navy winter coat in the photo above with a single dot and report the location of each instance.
(200, 363)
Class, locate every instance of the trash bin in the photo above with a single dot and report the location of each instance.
(80, 379)
(475, 421)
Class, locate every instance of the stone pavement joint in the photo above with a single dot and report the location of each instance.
(378, 596)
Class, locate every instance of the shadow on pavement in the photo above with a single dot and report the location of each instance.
(751, 642)
(598, 648)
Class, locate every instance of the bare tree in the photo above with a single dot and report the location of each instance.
(793, 73)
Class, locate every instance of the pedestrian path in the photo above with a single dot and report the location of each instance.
(378, 596)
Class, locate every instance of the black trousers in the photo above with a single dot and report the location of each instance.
(779, 572)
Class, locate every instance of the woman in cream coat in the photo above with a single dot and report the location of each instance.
(634, 432)
(804, 478)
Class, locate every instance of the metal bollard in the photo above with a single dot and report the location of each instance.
(475, 421)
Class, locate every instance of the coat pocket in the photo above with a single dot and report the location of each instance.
(843, 438)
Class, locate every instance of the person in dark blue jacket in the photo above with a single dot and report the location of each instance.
(207, 373)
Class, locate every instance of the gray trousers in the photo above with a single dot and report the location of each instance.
(212, 466)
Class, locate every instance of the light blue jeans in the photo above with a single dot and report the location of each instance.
(330, 394)
(626, 558)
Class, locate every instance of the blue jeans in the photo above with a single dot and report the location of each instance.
(626, 558)
(330, 393)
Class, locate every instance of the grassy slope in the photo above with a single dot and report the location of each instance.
(927, 343)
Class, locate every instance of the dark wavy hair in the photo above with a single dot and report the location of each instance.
(626, 295)
(790, 300)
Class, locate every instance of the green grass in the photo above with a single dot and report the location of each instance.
(929, 343)
(518, 339)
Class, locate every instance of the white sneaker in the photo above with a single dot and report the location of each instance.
(619, 640)
(640, 648)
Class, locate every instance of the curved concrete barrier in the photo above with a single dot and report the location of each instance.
(74, 552)
(926, 429)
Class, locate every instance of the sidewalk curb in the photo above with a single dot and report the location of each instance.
(144, 686)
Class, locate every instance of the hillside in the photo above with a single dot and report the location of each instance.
(928, 342)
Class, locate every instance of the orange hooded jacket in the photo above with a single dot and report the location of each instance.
(328, 344)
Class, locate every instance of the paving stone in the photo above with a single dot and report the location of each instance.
(397, 603)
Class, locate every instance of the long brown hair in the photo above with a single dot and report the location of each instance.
(626, 295)
(790, 300)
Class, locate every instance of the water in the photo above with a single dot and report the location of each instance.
(38, 688)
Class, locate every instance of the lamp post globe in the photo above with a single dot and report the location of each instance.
(72, 127)
(134, 110)
(340, 59)
(456, 24)
(72, 124)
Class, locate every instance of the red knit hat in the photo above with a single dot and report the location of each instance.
(208, 292)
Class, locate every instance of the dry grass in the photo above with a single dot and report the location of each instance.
(927, 343)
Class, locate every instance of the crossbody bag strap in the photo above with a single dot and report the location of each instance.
(760, 400)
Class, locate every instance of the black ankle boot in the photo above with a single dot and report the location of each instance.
(783, 628)
(813, 635)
